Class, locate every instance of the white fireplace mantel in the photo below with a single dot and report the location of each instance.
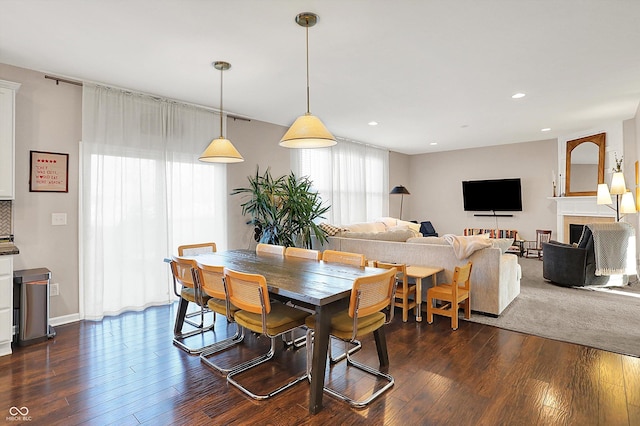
(584, 206)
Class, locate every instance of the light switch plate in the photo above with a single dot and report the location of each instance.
(58, 219)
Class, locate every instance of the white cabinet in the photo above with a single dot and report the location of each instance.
(6, 304)
(8, 91)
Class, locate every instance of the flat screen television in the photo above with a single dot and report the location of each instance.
(492, 195)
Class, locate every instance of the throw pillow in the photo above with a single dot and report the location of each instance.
(410, 225)
(330, 230)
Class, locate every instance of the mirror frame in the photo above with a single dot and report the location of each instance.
(600, 141)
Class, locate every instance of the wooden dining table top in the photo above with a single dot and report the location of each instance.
(304, 280)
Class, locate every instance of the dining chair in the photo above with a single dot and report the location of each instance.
(257, 313)
(211, 281)
(182, 270)
(535, 247)
(403, 289)
(263, 248)
(347, 258)
(196, 249)
(370, 295)
(452, 296)
(302, 253)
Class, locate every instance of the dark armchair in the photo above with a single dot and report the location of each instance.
(568, 266)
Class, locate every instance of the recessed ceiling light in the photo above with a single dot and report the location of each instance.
(518, 96)
(433, 143)
(373, 123)
(546, 129)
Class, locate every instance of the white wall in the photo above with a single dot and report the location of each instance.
(399, 175)
(436, 186)
(48, 118)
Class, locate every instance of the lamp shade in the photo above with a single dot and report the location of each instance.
(627, 204)
(221, 151)
(618, 186)
(603, 197)
(400, 190)
(307, 132)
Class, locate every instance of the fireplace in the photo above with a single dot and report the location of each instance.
(576, 223)
(575, 232)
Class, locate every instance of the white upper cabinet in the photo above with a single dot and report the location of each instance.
(8, 91)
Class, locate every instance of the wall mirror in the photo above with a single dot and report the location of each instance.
(585, 165)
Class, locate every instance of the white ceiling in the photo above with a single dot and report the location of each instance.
(427, 71)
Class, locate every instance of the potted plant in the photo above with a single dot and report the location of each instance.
(283, 210)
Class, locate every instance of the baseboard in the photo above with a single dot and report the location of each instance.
(65, 319)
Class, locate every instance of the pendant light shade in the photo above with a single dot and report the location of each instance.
(307, 131)
(221, 150)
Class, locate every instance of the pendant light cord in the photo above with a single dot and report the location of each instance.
(221, 74)
(307, 28)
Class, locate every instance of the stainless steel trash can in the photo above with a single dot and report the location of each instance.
(31, 286)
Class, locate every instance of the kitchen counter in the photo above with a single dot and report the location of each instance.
(8, 248)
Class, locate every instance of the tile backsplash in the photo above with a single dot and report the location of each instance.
(5, 218)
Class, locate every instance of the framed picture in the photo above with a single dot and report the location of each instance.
(48, 172)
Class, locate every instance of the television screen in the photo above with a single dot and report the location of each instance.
(492, 195)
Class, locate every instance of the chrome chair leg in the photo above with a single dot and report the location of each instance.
(256, 361)
(219, 347)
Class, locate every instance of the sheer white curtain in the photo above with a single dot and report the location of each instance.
(143, 192)
(351, 177)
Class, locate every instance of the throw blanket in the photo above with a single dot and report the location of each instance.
(614, 247)
(464, 247)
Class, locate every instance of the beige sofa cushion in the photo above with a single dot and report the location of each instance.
(428, 240)
(366, 227)
(400, 235)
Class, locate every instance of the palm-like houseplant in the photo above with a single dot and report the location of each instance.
(283, 210)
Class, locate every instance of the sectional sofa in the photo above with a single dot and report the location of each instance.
(495, 277)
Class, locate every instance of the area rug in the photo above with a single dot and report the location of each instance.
(606, 319)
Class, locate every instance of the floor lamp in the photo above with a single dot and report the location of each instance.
(624, 199)
(402, 191)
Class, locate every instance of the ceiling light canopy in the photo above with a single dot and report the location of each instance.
(307, 131)
(221, 150)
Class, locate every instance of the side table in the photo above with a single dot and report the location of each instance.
(420, 272)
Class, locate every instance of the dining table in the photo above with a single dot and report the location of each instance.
(323, 287)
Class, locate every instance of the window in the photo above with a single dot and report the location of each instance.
(351, 177)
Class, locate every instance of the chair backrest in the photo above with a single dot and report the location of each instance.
(372, 294)
(302, 253)
(196, 249)
(262, 248)
(211, 279)
(182, 268)
(247, 291)
(334, 256)
(461, 278)
(542, 236)
(401, 271)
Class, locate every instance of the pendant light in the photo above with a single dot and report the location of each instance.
(307, 131)
(221, 150)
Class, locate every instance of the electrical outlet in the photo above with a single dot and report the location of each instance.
(54, 289)
(58, 219)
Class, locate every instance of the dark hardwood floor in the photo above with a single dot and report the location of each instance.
(125, 371)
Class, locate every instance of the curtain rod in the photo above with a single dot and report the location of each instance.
(79, 83)
(64, 80)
